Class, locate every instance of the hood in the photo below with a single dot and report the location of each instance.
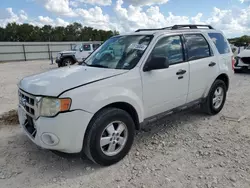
(244, 53)
(54, 82)
(67, 52)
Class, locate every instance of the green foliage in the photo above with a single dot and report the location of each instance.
(73, 32)
(240, 41)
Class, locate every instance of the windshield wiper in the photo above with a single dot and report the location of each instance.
(98, 65)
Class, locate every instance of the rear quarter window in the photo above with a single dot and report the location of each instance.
(220, 42)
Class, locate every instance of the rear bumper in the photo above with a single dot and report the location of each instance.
(64, 133)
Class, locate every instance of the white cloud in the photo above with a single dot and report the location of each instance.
(61, 7)
(146, 2)
(94, 17)
(23, 15)
(133, 17)
(61, 22)
(244, 1)
(46, 20)
(10, 16)
(73, 4)
(233, 22)
(49, 21)
(97, 2)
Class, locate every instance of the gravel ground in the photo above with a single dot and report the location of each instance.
(10, 75)
(184, 150)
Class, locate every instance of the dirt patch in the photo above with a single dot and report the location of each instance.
(9, 118)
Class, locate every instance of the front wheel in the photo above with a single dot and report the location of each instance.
(109, 136)
(67, 62)
(216, 98)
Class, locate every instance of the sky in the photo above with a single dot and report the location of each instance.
(230, 16)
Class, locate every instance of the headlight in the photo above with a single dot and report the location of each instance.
(52, 106)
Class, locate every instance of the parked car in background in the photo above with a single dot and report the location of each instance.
(78, 53)
(242, 60)
(95, 109)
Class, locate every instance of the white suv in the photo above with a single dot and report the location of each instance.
(95, 108)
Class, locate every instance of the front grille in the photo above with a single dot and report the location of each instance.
(245, 60)
(29, 126)
(27, 101)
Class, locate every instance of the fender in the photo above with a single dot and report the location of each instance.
(95, 96)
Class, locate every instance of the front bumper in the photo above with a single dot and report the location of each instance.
(64, 133)
(58, 61)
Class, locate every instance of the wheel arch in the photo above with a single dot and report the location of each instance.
(224, 77)
(70, 57)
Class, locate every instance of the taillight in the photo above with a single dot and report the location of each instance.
(233, 62)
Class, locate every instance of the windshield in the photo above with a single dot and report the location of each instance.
(120, 52)
(248, 48)
(77, 47)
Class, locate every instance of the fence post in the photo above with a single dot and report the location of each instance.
(49, 50)
(24, 53)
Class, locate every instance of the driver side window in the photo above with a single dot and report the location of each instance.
(171, 48)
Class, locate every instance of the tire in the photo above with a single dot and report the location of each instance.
(97, 129)
(208, 106)
(67, 61)
(238, 71)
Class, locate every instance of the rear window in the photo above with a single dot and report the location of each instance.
(86, 47)
(220, 42)
(197, 46)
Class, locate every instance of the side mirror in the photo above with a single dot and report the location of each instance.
(156, 63)
(81, 49)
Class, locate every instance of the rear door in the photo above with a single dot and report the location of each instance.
(224, 51)
(203, 65)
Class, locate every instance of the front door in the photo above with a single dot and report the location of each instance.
(164, 89)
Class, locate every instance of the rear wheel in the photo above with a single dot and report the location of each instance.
(216, 98)
(109, 136)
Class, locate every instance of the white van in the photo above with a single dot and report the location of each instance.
(78, 53)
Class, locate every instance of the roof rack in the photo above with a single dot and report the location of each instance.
(175, 27)
(191, 26)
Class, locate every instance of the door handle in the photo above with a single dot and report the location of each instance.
(211, 64)
(180, 72)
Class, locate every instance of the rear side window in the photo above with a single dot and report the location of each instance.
(197, 46)
(220, 42)
(86, 47)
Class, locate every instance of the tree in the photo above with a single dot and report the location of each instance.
(72, 32)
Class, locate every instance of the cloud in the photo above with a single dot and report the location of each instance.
(244, 1)
(8, 16)
(60, 7)
(94, 17)
(146, 2)
(49, 21)
(46, 20)
(97, 2)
